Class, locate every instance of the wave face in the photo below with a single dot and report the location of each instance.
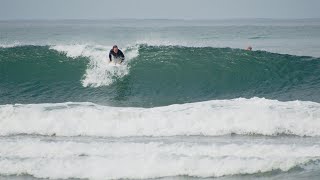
(153, 75)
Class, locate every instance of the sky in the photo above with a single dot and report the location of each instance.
(158, 9)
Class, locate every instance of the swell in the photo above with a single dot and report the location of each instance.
(154, 76)
(37, 73)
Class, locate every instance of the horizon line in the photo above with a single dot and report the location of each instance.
(168, 19)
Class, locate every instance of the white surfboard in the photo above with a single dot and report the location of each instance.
(115, 62)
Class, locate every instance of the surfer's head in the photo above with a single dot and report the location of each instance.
(115, 48)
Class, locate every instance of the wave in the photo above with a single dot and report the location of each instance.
(99, 71)
(152, 75)
(107, 160)
(210, 118)
(258, 37)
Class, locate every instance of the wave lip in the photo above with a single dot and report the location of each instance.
(210, 118)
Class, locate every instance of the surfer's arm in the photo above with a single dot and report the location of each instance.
(122, 56)
(110, 56)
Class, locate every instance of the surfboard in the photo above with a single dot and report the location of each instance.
(116, 62)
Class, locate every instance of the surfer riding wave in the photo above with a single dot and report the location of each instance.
(116, 54)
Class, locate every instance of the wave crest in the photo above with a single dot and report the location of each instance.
(99, 72)
(210, 118)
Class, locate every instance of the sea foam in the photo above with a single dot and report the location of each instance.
(209, 118)
(99, 72)
(107, 160)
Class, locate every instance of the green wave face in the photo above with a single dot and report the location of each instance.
(159, 75)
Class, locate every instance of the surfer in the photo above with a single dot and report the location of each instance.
(116, 54)
(249, 48)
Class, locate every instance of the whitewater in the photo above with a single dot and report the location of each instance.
(188, 103)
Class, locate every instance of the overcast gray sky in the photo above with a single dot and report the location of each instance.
(158, 9)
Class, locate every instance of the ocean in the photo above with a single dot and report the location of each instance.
(187, 103)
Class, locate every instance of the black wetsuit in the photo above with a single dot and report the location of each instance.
(118, 55)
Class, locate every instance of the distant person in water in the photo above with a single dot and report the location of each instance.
(249, 48)
(116, 53)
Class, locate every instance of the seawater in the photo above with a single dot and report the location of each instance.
(188, 103)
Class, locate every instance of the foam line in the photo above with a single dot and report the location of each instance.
(107, 160)
(209, 118)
